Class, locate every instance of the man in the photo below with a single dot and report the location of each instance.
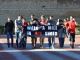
(72, 28)
(9, 26)
(51, 40)
(18, 30)
(61, 33)
(34, 22)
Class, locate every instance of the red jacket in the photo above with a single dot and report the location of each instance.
(72, 26)
(24, 25)
(66, 24)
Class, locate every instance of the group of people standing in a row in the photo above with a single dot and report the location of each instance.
(65, 27)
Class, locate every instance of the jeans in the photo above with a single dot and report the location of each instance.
(51, 41)
(9, 35)
(18, 37)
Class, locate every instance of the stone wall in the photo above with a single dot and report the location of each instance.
(13, 8)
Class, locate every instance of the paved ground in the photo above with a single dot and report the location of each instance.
(66, 44)
(40, 54)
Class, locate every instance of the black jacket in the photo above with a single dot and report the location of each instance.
(52, 22)
(9, 26)
(35, 22)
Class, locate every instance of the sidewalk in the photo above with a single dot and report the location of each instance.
(66, 44)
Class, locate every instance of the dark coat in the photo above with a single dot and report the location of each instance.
(9, 26)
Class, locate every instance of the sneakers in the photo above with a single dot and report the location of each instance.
(52, 47)
(72, 46)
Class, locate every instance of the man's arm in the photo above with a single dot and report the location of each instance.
(15, 26)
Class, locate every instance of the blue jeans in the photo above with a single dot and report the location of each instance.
(18, 37)
(9, 35)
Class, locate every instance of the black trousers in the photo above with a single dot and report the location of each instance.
(61, 42)
(72, 37)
